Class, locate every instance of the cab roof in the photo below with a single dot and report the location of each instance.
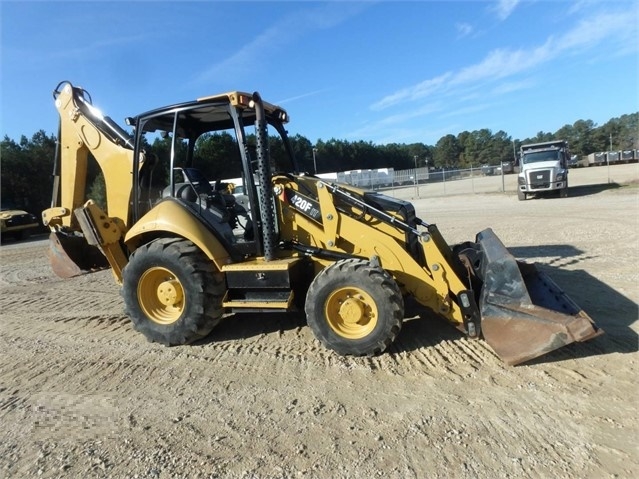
(210, 113)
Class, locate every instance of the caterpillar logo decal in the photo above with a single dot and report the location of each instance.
(305, 205)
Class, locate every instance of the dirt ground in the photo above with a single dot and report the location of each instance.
(83, 395)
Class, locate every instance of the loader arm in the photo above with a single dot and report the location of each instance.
(346, 224)
(478, 286)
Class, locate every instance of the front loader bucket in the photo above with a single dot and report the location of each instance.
(524, 314)
(72, 255)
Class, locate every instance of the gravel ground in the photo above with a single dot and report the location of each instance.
(83, 395)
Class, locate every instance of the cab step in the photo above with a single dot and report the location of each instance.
(258, 301)
(265, 286)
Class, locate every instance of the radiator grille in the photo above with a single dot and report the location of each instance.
(539, 179)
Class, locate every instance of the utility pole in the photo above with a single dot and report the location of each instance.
(416, 180)
(608, 158)
(314, 162)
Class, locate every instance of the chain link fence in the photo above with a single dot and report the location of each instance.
(493, 180)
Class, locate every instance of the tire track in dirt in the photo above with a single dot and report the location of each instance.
(66, 316)
(75, 322)
(453, 359)
(71, 306)
(89, 309)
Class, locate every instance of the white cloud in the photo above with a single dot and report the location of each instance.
(476, 87)
(509, 87)
(420, 90)
(591, 31)
(390, 130)
(463, 29)
(505, 62)
(503, 8)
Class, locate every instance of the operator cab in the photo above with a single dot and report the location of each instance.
(189, 153)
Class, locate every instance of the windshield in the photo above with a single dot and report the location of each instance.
(539, 156)
(201, 145)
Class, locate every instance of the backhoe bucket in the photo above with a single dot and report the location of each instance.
(72, 256)
(524, 314)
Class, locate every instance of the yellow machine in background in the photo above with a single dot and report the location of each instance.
(185, 251)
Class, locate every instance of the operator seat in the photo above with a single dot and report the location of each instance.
(186, 192)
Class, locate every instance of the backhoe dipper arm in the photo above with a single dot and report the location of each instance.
(84, 130)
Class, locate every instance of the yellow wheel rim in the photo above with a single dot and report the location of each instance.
(351, 312)
(161, 295)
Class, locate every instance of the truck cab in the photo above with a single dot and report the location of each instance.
(543, 169)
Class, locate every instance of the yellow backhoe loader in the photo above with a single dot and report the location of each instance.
(185, 252)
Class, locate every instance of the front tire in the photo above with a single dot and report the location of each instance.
(521, 196)
(172, 292)
(354, 308)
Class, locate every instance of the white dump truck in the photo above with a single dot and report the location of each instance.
(543, 168)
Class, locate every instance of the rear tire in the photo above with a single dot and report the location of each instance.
(354, 308)
(172, 292)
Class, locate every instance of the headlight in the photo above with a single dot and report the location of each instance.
(521, 180)
(561, 175)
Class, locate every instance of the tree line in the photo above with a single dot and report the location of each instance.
(27, 165)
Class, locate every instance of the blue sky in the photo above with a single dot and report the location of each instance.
(385, 71)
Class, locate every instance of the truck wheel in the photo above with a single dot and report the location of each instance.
(521, 196)
(354, 308)
(172, 292)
